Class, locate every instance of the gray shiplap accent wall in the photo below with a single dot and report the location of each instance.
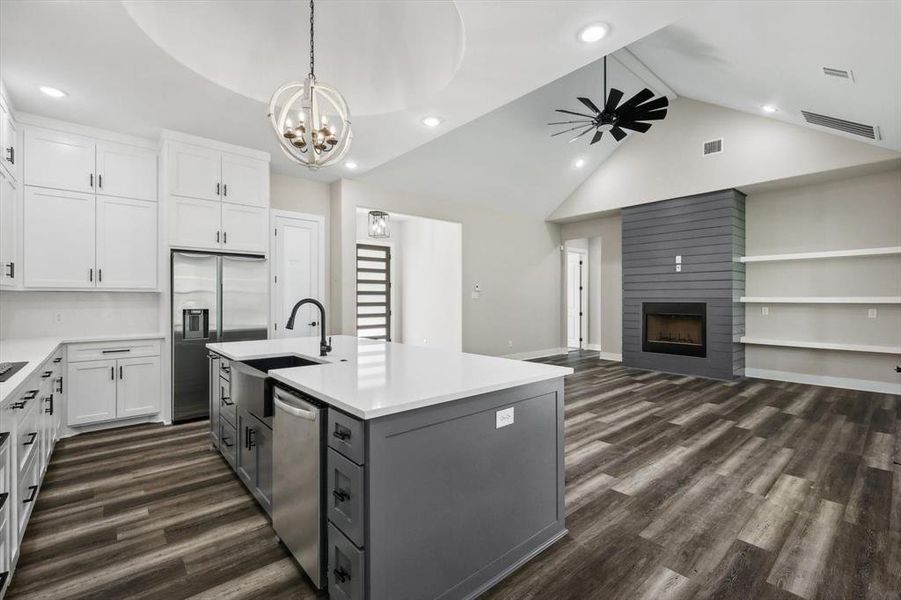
(708, 231)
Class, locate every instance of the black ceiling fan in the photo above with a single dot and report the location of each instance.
(628, 115)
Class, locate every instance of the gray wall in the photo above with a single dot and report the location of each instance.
(708, 231)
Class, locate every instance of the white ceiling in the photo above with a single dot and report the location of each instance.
(507, 160)
(744, 55)
(118, 78)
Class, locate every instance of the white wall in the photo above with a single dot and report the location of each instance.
(516, 260)
(33, 314)
(605, 281)
(858, 212)
(299, 195)
(667, 162)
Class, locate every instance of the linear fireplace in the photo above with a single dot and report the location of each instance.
(675, 328)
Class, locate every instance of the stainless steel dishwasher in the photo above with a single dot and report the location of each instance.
(298, 488)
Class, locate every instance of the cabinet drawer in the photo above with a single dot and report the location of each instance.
(110, 350)
(344, 496)
(228, 441)
(22, 405)
(227, 408)
(345, 434)
(225, 369)
(28, 435)
(28, 491)
(346, 567)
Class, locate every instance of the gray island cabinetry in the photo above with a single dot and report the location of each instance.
(442, 471)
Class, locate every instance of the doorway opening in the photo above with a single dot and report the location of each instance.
(576, 288)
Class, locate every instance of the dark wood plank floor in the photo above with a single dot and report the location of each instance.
(677, 487)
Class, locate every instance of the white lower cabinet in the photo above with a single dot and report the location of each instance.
(113, 388)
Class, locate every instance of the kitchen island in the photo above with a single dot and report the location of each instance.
(443, 471)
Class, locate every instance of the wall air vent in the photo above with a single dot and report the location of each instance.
(839, 73)
(868, 131)
(713, 147)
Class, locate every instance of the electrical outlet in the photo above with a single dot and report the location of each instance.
(678, 259)
(764, 310)
(504, 417)
(678, 268)
(872, 313)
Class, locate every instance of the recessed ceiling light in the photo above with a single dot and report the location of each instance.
(350, 164)
(580, 162)
(53, 92)
(594, 32)
(768, 108)
(431, 121)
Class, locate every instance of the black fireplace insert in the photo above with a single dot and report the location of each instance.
(675, 328)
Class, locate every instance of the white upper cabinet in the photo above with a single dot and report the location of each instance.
(194, 223)
(194, 171)
(10, 223)
(126, 171)
(59, 239)
(245, 180)
(9, 142)
(58, 160)
(126, 243)
(244, 228)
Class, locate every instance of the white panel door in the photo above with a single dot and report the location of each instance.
(299, 272)
(138, 387)
(573, 299)
(127, 246)
(193, 171)
(126, 171)
(59, 160)
(244, 228)
(59, 239)
(245, 180)
(194, 223)
(91, 392)
(10, 265)
(9, 142)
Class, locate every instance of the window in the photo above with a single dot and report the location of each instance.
(374, 292)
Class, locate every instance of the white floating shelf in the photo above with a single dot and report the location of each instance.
(823, 345)
(821, 300)
(887, 251)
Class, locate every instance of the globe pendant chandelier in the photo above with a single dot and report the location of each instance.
(311, 119)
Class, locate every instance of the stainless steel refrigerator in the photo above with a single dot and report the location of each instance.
(215, 298)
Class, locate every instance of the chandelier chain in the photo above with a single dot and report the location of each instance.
(312, 55)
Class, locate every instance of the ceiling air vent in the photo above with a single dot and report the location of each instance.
(839, 73)
(713, 147)
(867, 131)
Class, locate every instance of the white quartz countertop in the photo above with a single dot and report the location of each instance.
(370, 379)
(36, 350)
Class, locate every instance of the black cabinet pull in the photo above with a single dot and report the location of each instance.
(31, 438)
(49, 399)
(224, 237)
(225, 189)
(342, 434)
(217, 189)
(60, 388)
(225, 441)
(100, 181)
(12, 269)
(115, 351)
(341, 495)
(341, 575)
(226, 401)
(92, 181)
(217, 236)
(99, 274)
(11, 155)
(251, 434)
(46, 374)
(30, 395)
(30, 498)
(112, 373)
(120, 371)
(91, 274)
(57, 359)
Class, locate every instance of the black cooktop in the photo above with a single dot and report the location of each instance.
(8, 369)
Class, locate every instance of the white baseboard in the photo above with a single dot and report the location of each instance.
(611, 356)
(65, 431)
(594, 347)
(536, 354)
(848, 383)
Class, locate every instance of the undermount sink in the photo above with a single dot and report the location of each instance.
(279, 362)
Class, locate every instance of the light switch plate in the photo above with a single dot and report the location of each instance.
(872, 313)
(678, 259)
(764, 310)
(503, 418)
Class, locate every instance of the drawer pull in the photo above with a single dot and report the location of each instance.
(225, 441)
(249, 436)
(18, 405)
(49, 399)
(46, 374)
(30, 395)
(115, 351)
(32, 436)
(341, 575)
(30, 498)
(341, 495)
(342, 434)
(57, 359)
(225, 369)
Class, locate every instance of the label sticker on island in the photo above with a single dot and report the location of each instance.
(503, 418)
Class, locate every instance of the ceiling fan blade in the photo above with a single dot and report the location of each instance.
(589, 104)
(613, 99)
(634, 126)
(571, 129)
(597, 136)
(581, 134)
(571, 122)
(654, 115)
(642, 96)
(618, 133)
(661, 102)
(569, 112)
